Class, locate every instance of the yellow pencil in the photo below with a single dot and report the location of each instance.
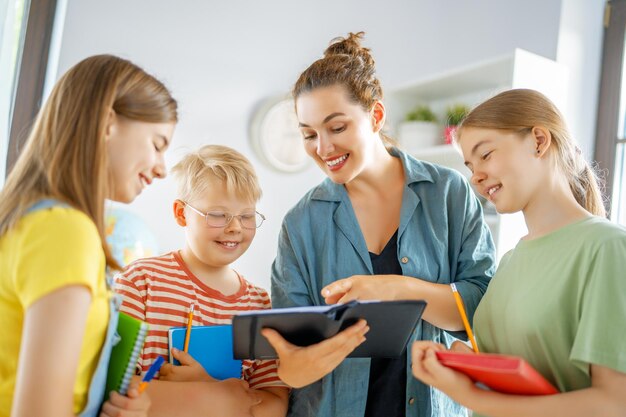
(188, 332)
(468, 329)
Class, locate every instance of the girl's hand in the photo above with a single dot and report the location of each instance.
(365, 287)
(300, 366)
(427, 368)
(133, 404)
(189, 369)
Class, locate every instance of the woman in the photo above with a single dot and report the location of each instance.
(101, 134)
(558, 299)
(384, 226)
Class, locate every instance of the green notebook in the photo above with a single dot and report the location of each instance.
(125, 353)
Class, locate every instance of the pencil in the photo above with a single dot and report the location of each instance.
(188, 332)
(468, 329)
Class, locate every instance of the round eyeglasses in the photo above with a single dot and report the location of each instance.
(223, 219)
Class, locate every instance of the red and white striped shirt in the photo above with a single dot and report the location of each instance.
(160, 290)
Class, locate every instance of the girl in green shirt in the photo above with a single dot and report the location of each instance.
(558, 299)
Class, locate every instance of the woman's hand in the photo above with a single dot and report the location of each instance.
(460, 347)
(189, 369)
(366, 287)
(133, 404)
(427, 368)
(300, 366)
(441, 311)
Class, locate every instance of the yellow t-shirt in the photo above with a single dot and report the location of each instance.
(46, 250)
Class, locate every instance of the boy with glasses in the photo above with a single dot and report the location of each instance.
(216, 205)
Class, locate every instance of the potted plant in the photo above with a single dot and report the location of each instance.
(419, 129)
(454, 116)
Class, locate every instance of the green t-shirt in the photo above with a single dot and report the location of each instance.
(559, 301)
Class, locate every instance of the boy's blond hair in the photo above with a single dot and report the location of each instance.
(235, 170)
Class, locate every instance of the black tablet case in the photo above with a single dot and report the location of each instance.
(391, 325)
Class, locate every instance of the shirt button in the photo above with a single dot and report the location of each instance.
(404, 259)
(411, 401)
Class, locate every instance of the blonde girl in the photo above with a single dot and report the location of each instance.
(558, 299)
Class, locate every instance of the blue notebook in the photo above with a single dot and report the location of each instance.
(212, 346)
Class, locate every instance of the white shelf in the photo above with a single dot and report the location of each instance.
(471, 85)
(439, 150)
(486, 75)
(446, 155)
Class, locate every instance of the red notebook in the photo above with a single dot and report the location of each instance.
(502, 373)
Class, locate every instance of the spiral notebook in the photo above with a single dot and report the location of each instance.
(125, 353)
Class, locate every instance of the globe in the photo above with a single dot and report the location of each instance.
(129, 236)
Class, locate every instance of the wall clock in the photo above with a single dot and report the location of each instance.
(276, 138)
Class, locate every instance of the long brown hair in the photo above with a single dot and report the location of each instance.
(519, 110)
(65, 156)
(350, 65)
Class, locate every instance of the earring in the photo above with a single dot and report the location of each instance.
(538, 151)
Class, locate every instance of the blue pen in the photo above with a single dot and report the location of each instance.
(154, 368)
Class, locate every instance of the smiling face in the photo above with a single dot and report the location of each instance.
(215, 247)
(506, 167)
(135, 153)
(339, 135)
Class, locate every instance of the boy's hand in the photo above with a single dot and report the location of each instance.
(133, 404)
(189, 369)
(299, 366)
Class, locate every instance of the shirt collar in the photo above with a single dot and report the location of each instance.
(414, 171)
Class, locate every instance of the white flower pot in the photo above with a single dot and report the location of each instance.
(415, 136)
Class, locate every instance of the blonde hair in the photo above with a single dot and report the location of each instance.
(520, 110)
(195, 170)
(65, 154)
(348, 64)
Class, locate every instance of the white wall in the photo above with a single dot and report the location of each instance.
(221, 59)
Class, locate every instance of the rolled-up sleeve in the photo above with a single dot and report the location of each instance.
(476, 261)
(289, 286)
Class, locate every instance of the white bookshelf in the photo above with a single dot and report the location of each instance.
(470, 85)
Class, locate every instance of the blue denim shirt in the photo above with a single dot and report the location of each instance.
(442, 238)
